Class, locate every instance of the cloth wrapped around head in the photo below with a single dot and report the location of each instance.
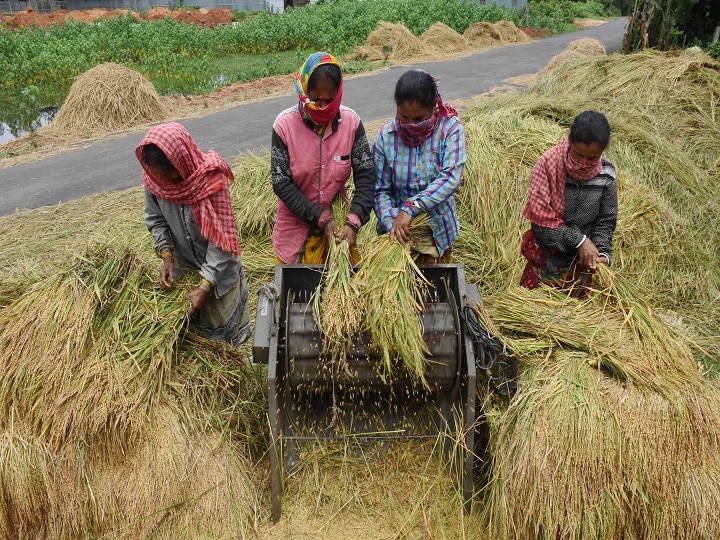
(414, 134)
(321, 116)
(204, 186)
(546, 203)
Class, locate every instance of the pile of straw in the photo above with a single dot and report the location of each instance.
(390, 41)
(440, 37)
(509, 33)
(483, 33)
(599, 448)
(105, 99)
(255, 201)
(580, 48)
(116, 421)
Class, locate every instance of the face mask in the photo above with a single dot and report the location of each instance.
(415, 134)
(582, 168)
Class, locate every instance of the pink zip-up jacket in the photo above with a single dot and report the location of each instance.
(308, 172)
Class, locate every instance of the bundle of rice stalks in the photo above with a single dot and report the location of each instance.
(580, 48)
(577, 455)
(390, 40)
(601, 453)
(482, 33)
(390, 287)
(254, 200)
(334, 304)
(509, 33)
(172, 480)
(615, 330)
(89, 349)
(105, 99)
(440, 37)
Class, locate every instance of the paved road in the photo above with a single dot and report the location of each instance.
(110, 164)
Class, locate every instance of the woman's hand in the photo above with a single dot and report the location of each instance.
(348, 234)
(588, 256)
(197, 299)
(400, 230)
(167, 273)
(330, 231)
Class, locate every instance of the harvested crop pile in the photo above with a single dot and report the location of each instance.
(442, 38)
(613, 432)
(116, 419)
(105, 99)
(509, 33)
(578, 49)
(484, 33)
(390, 40)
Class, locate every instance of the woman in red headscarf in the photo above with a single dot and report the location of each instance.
(316, 144)
(572, 208)
(189, 213)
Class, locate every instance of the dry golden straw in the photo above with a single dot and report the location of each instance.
(105, 99)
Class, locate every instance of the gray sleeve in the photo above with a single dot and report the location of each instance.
(157, 224)
(218, 268)
(604, 225)
(363, 176)
(563, 238)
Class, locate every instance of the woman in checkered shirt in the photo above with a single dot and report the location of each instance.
(572, 208)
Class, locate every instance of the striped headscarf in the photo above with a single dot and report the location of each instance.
(321, 117)
(204, 186)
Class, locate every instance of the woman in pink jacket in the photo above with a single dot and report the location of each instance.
(316, 144)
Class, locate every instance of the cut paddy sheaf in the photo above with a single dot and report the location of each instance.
(613, 432)
(106, 99)
(394, 42)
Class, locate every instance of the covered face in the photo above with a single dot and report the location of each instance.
(319, 102)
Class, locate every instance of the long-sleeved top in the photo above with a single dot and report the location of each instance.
(426, 177)
(173, 226)
(309, 171)
(591, 209)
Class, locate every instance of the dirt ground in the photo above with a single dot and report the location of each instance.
(201, 16)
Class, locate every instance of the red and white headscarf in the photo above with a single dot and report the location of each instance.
(204, 187)
(546, 202)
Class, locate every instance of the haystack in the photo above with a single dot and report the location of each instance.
(440, 37)
(509, 33)
(599, 447)
(580, 48)
(390, 40)
(482, 33)
(106, 99)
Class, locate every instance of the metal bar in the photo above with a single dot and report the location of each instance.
(352, 436)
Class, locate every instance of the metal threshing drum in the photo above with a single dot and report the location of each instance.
(300, 376)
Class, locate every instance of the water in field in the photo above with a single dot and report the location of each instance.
(13, 128)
